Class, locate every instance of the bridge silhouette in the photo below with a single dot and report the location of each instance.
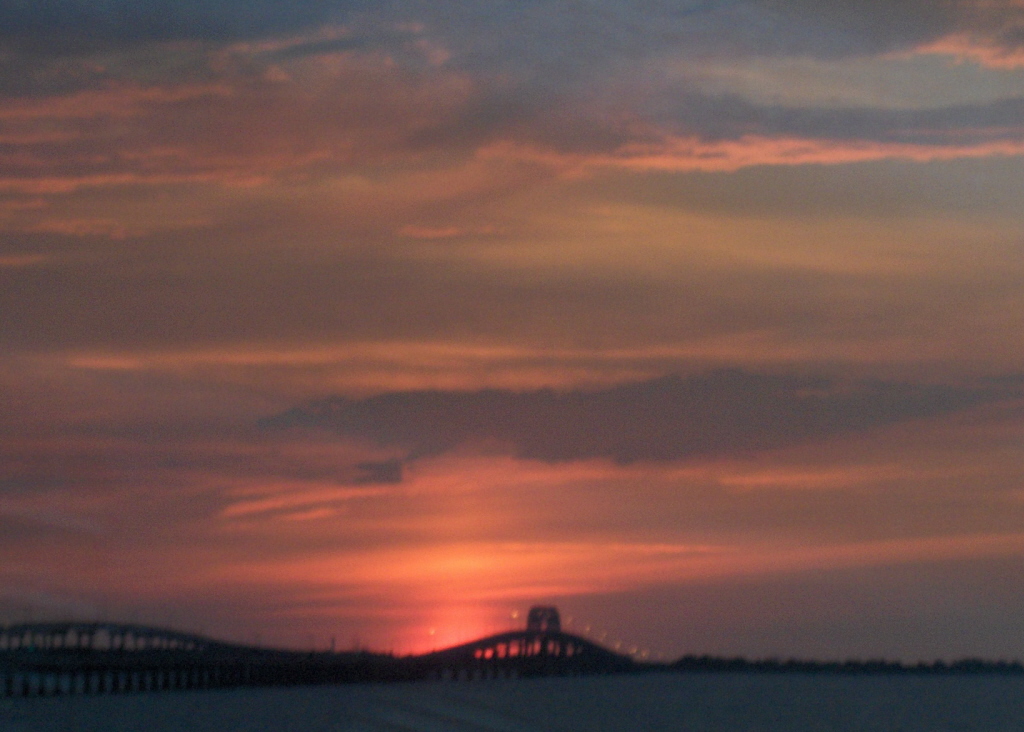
(52, 659)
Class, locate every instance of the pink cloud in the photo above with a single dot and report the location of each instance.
(683, 154)
(965, 47)
(332, 110)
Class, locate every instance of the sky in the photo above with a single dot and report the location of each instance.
(376, 323)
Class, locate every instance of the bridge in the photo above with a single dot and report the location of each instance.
(522, 653)
(52, 659)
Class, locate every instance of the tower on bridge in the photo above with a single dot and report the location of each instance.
(543, 619)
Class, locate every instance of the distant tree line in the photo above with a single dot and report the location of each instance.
(850, 667)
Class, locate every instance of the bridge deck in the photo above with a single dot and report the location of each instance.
(99, 658)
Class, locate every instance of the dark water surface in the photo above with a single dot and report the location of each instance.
(656, 702)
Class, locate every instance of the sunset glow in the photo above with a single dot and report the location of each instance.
(373, 324)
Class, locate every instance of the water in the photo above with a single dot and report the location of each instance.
(650, 703)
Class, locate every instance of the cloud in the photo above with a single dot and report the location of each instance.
(710, 118)
(239, 131)
(887, 188)
(84, 24)
(327, 100)
(413, 231)
(552, 43)
(689, 154)
(385, 471)
(670, 418)
(21, 260)
(334, 115)
(981, 51)
(558, 42)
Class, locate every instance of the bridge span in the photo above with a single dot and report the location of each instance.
(523, 653)
(51, 659)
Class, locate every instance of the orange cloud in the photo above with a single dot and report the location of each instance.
(811, 479)
(116, 102)
(362, 367)
(17, 261)
(70, 183)
(413, 231)
(300, 500)
(465, 537)
(511, 573)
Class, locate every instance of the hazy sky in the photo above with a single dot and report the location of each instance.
(383, 321)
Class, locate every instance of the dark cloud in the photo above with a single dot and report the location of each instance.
(877, 188)
(558, 40)
(88, 23)
(853, 27)
(534, 38)
(670, 418)
(731, 117)
(387, 471)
